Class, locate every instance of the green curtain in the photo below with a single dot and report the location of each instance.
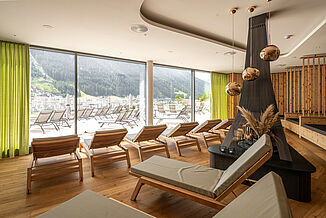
(14, 99)
(219, 99)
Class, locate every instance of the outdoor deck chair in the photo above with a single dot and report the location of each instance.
(172, 109)
(204, 185)
(222, 128)
(90, 204)
(180, 137)
(105, 148)
(58, 118)
(147, 139)
(266, 198)
(160, 108)
(87, 114)
(202, 132)
(134, 118)
(105, 112)
(118, 120)
(97, 113)
(42, 119)
(53, 157)
(200, 108)
(80, 113)
(180, 116)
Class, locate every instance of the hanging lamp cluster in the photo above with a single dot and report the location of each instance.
(269, 53)
(233, 88)
(250, 73)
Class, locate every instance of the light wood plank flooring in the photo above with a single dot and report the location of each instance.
(114, 181)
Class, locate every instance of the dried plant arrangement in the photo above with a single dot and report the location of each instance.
(260, 127)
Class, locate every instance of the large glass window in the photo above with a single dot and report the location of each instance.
(172, 90)
(202, 96)
(52, 93)
(110, 94)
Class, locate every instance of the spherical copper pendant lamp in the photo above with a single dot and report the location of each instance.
(250, 73)
(233, 88)
(271, 52)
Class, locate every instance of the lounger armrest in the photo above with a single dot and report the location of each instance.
(78, 155)
(160, 140)
(123, 147)
(88, 152)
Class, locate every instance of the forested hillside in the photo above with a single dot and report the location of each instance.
(53, 73)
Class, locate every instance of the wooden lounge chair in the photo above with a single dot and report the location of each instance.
(90, 204)
(204, 185)
(98, 150)
(180, 137)
(222, 128)
(52, 157)
(147, 139)
(42, 119)
(266, 198)
(203, 131)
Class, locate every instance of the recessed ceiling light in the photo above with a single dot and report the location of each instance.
(47, 26)
(139, 28)
(289, 36)
(170, 51)
(230, 53)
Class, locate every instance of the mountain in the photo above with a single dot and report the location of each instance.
(53, 73)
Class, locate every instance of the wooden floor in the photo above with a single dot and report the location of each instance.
(114, 181)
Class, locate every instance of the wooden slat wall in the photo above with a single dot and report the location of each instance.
(280, 90)
(233, 101)
(300, 89)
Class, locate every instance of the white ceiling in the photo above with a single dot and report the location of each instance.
(103, 27)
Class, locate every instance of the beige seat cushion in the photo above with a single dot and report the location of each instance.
(189, 176)
(243, 163)
(55, 160)
(266, 198)
(90, 204)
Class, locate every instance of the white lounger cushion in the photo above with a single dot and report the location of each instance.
(243, 163)
(90, 204)
(189, 176)
(266, 198)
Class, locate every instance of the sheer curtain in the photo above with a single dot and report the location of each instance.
(14, 99)
(219, 100)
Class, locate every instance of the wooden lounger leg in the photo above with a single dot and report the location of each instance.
(140, 154)
(197, 143)
(128, 158)
(178, 148)
(92, 166)
(137, 189)
(205, 141)
(167, 150)
(80, 170)
(29, 180)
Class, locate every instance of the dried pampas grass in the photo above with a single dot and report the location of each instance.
(267, 120)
